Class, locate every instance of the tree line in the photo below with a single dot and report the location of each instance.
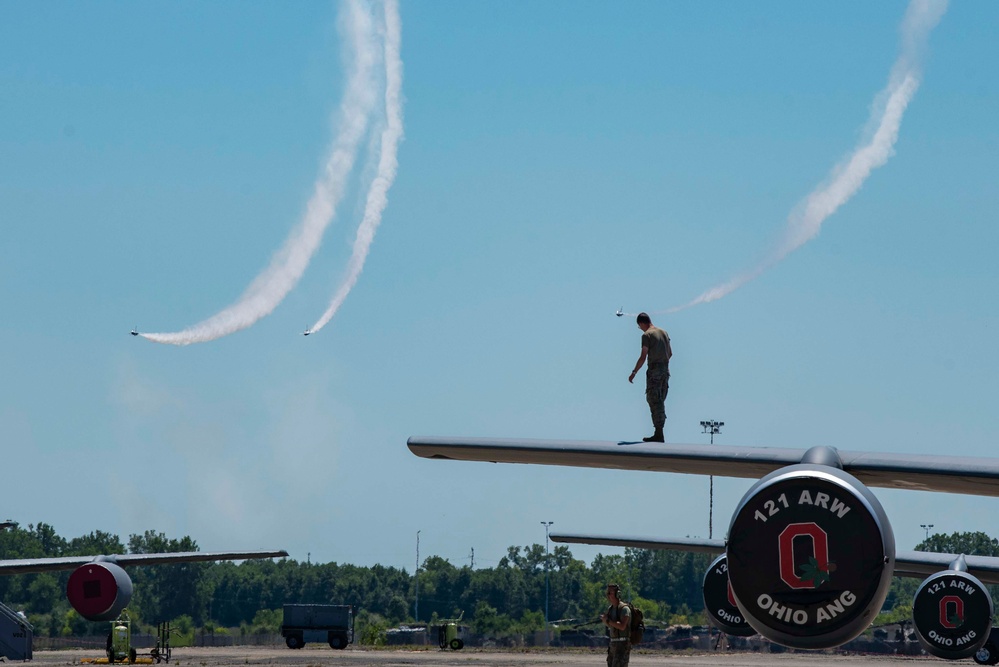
(508, 598)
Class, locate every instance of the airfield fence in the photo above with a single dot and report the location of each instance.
(142, 641)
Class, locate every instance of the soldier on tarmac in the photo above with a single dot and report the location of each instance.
(618, 619)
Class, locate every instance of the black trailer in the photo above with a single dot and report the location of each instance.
(328, 623)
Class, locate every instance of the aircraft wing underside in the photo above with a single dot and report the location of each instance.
(919, 564)
(31, 565)
(915, 564)
(949, 474)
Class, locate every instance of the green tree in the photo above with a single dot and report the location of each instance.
(488, 622)
(44, 593)
(970, 544)
(165, 592)
(97, 542)
(267, 620)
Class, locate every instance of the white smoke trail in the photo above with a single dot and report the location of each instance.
(805, 221)
(289, 263)
(387, 165)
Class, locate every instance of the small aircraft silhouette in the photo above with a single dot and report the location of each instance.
(307, 332)
(620, 312)
(134, 331)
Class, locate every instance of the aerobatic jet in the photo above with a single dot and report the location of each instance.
(810, 553)
(307, 332)
(134, 331)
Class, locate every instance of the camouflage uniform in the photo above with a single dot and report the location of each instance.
(619, 648)
(656, 389)
(656, 341)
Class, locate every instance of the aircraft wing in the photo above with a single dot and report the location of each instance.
(32, 565)
(915, 564)
(919, 564)
(694, 545)
(949, 474)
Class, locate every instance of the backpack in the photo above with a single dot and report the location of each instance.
(637, 624)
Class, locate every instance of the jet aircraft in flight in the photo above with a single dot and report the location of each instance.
(810, 552)
(134, 331)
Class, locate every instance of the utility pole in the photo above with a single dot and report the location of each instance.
(712, 427)
(416, 613)
(547, 525)
(926, 527)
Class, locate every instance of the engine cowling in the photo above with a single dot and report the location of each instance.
(719, 601)
(99, 591)
(810, 556)
(952, 613)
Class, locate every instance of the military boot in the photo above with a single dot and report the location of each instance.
(656, 437)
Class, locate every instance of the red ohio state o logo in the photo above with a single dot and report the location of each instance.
(958, 611)
(820, 551)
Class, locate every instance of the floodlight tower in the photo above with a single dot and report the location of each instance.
(711, 426)
(547, 525)
(416, 611)
(926, 527)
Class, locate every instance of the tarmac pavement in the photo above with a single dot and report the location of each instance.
(354, 656)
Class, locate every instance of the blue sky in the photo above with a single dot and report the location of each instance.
(560, 160)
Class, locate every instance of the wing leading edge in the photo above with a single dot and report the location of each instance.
(32, 565)
(948, 474)
(676, 544)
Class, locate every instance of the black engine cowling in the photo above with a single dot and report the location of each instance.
(810, 556)
(99, 591)
(719, 602)
(952, 613)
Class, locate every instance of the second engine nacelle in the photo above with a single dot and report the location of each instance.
(952, 612)
(99, 590)
(719, 602)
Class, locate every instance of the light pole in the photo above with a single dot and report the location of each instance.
(926, 527)
(547, 525)
(416, 613)
(712, 427)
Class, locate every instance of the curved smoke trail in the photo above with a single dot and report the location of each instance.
(805, 221)
(289, 263)
(387, 165)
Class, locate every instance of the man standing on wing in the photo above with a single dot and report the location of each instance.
(655, 348)
(618, 619)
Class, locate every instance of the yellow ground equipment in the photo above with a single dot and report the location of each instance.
(447, 634)
(119, 646)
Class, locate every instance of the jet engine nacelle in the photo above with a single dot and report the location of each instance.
(810, 556)
(952, 613)
(99, 591)
(719, 601)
